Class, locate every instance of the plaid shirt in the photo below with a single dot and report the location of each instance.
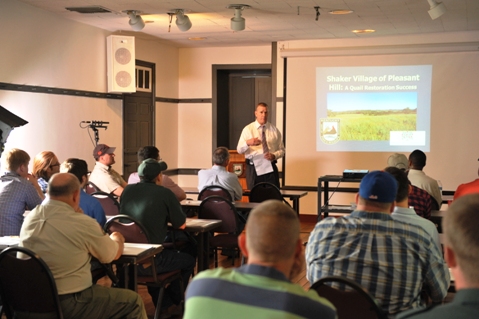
(392, 260)
(16, 195)
(421, 201)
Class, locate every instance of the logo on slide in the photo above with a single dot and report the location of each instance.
(329, 130)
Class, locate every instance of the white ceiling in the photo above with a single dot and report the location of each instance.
(273, 20)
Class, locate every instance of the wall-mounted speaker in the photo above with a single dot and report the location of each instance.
(121, 64)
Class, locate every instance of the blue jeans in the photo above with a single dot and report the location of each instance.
(170, 260)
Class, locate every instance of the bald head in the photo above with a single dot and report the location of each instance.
(63, 185)
(460, 226)
(272, 231)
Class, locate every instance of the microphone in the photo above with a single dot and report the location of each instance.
(95, 123)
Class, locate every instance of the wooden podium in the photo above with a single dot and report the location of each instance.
(237, 165)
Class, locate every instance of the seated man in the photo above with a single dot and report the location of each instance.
(218, 175)
(403, 212)
(103, 175)
(154, 206)
(461, 250)
(418, 198)
(417, 161)
(19, 191)
(66, 239)
(154, 153)
(45, 164)
(467, 188)
(392, 260)
(263, 287)
(89, 204)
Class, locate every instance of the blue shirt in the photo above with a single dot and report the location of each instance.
(92, 207)
(391, 259)
(17, 194)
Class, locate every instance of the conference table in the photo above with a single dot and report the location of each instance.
(202, 227)
(293, 195)
(133, 255)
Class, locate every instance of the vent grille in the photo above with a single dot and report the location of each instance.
(87, 10)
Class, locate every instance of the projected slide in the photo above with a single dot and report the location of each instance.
(373, 108)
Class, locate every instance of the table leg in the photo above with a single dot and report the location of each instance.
(296, 205)
(201, 253)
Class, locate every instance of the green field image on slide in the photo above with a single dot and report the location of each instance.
(370, 125)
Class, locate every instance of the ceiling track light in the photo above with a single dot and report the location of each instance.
(317, 12)
(183, 22)
(437, 9)
(136, 21)
(238, 23)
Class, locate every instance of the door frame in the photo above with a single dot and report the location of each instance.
(220, 71)
(151, 94)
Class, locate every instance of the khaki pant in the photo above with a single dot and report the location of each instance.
(102, 303)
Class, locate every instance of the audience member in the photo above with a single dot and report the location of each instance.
(263, 287)
(153, 152)
(461, 251)
(103, 175)
(417, 161)
(66, 240)
(403, 213)
(218, 175)
(19, 191)
(392, 260)
(154, 206)
(45, 164)
(89, 204)
(256, 152)
(467, 188)
(418, 198)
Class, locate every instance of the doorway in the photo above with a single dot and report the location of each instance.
(138, 116)
(237, 89)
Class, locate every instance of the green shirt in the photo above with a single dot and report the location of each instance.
(153, 206)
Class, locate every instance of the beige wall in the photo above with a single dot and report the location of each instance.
(46, 50)
(195, 81)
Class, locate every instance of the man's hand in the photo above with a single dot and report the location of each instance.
(253, 141)
(298, 265)
(32, 179)
(269, 156)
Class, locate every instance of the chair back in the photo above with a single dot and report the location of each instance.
(214, 190)
(217, 207)
(130, 228)
(91, 188)
(27, 284)
(264, 191)
(351, 300)
(110, 205)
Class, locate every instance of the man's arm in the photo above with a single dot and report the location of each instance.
(33, 180)
(176, 215)
(278, 145)
(235, 186)
(177, 190)
(437, 279)
(246, 135)
(117, 237)
(118, 191)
